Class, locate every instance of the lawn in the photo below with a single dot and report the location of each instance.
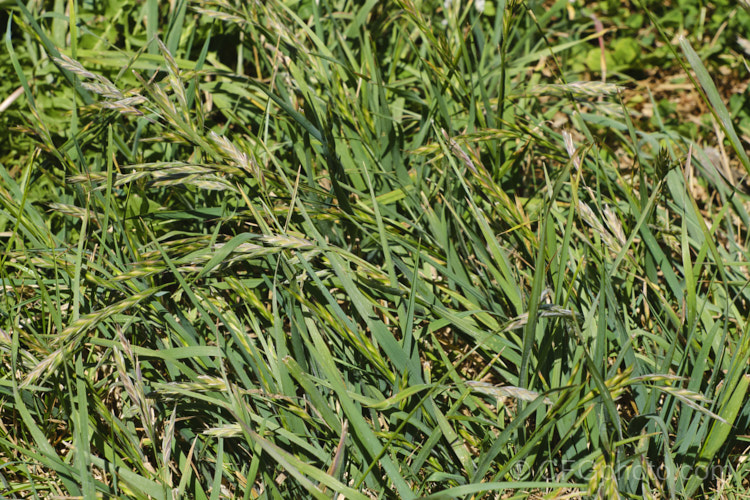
(374, 249)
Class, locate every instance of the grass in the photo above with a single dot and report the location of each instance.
(373, 249)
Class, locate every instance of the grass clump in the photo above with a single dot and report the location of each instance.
(399, 249)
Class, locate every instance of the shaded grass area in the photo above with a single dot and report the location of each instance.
(391, 249)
